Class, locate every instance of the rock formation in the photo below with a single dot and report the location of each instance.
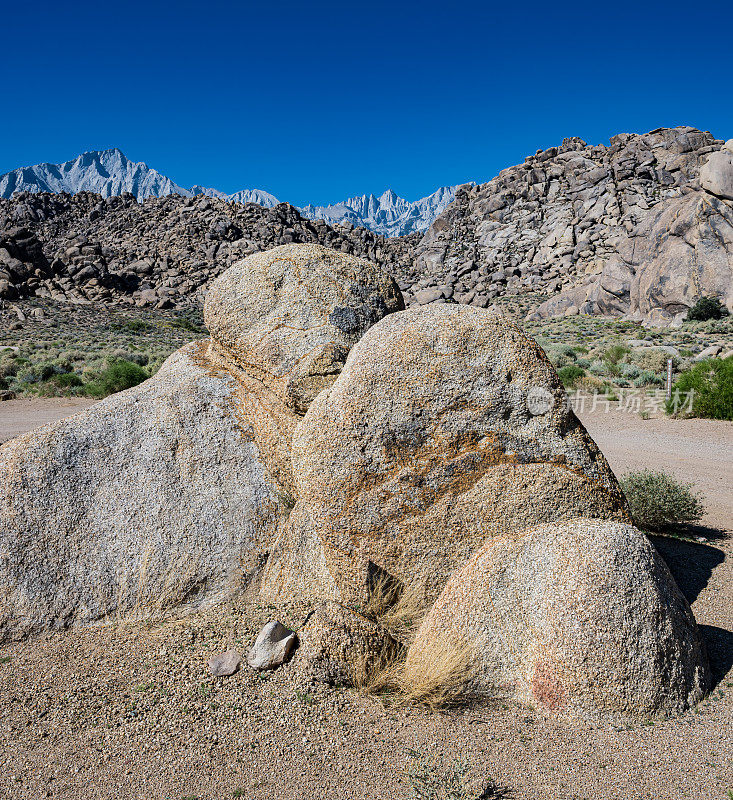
(634, 228)
(439, 455)
(163, 252)
(576, 615)
(339, 646)
(289, 316)
(153, 497)
(428, 442)
(640, 228)
(172, 491)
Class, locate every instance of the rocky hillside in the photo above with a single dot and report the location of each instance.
(162, 252)
(641, 228)
(110, 172)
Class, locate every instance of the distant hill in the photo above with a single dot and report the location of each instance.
(110, 173)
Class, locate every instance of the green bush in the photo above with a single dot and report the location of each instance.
(613, 354)
(118, 376)
(66, 380)
(570, 374)
(656, 499)
(707, 308)
(132, 325)
(711, 382)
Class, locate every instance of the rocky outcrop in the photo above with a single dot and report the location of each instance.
(590, 224)
(163, 252)
(582, 615)
(173, 491)
(289, 316)
(339, 646)
(446, 426)
(154, 497)
(716, 175)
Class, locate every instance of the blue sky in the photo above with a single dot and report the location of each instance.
(315, 102)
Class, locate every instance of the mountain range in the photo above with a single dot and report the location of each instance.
(110, 172)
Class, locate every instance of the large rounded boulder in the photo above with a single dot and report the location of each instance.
(447, 426)
(580, 615)
(173, 491)
(289, 316)
(163, 494)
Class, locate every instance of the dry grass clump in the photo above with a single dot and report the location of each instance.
(438, 674)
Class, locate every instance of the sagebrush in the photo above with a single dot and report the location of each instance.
(658, 500)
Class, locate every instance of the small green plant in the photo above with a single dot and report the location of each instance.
(711, 384)
(4, 659)
(306, 697)
(570, 374)
(238, 793)
(657, 500)
(706, 308)
(428, 781)
(116, 377)
(132, 325)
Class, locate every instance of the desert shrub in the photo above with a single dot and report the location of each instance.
(647, 378)
(583, 362)
(707, 308)
(185, 324)
(116, 377)
(598, 368)
(570, 374)
(711, 382)
(615, 353)
(630, 371)
(654, 359)
(66, 380)
(3, 383)
(132, 326)
(656, 499)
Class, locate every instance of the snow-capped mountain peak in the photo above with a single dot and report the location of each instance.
(110, 172)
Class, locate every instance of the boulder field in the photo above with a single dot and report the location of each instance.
(329, 444)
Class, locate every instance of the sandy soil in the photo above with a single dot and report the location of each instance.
(129, 711)
(18, 416)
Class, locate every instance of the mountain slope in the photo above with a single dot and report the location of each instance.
(639, 228)
(106, 172)
(387, 214)
(109, 173)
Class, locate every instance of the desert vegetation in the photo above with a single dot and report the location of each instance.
(658, 501)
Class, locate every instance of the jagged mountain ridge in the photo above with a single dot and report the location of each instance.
(105, 172)
(387, 214)
(110, 173)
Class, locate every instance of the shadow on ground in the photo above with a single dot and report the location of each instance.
(692, 564)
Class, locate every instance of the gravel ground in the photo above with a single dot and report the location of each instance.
(128, 710)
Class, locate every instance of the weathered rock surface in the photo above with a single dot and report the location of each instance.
(273, 646)
(716, 174)
(154, 497)
(174, 489)
(624, 229)
(290, 315)
(339, 646)
(423, 448)
(579, 615)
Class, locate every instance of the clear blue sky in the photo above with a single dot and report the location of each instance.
(320, 101)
